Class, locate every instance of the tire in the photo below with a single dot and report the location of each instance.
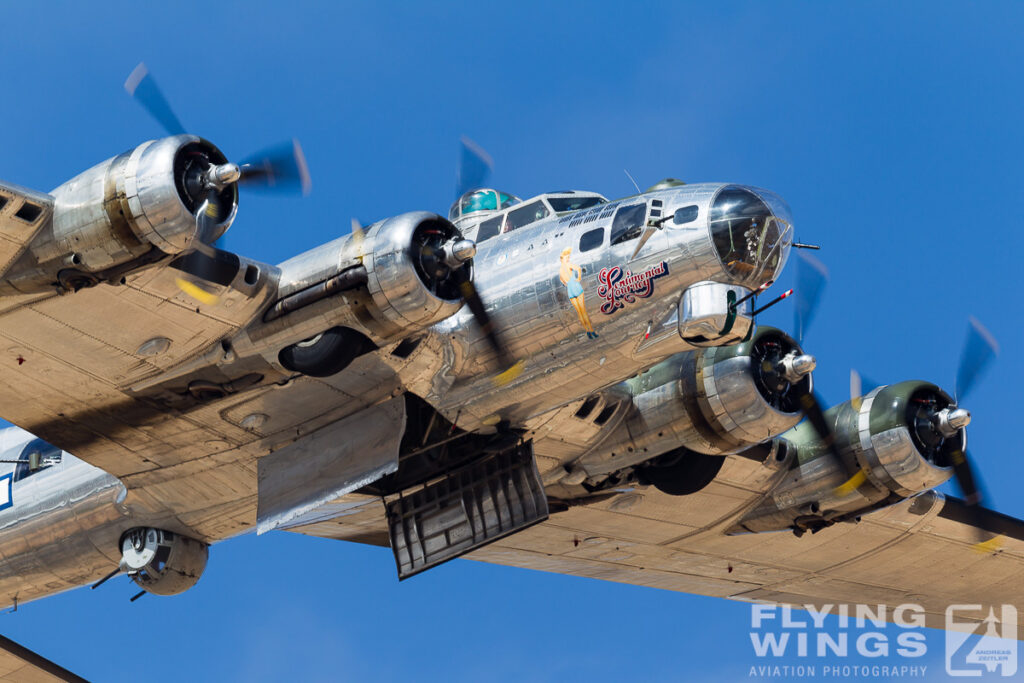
(326, 354)
(690, 472)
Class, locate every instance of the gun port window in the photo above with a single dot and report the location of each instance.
(628, 223)
(35, 457)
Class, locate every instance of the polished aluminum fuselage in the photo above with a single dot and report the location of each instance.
(63, 527)
(63, 524)
(517, 273)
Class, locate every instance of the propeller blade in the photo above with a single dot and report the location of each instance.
(207, 219)
(969, 484)
(811, 405)
(991, 525)
(966, 479)
(811, 277)
(203, 270)
(979, 350)
(358, 236)
(142, 87)
(475, 166)
(282, 167)
(194, 287)
(816, 416)
(860, 387)
(206, 264)
(512, 368)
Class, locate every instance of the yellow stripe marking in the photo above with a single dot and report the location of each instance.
(990, 546)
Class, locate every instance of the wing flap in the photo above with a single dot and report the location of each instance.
(300, 478)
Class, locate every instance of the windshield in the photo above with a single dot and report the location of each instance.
(488, 229)
(563, 204)
(531, 213)
(751, 242)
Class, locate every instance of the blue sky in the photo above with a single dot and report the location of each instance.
(892, 129)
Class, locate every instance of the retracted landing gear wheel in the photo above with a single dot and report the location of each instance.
(326, 354)
(681, 472)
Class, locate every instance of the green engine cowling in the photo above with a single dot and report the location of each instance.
(901, 438)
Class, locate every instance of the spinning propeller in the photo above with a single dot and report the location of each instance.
(211, 185)
(472, 173)
(980, 348)
(940, 421)
(443, 262)
(812, 276)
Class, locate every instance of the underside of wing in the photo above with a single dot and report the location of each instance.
(18, 664)
(919, 551)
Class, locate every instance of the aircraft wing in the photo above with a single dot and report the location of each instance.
(76, 371)
(20, 665)
(919, 551)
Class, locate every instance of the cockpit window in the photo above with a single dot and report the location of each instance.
(751, 242)
(563, 204)
(488, 229)
(628, 223)
(34, 457)
(531, 213)
(507, 200)
(481, 200)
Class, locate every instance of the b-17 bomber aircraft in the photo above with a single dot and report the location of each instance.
(565, 383)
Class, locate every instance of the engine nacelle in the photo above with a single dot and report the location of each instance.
(903, 437)
(398, 276)
(714, 401)
(128, 210)
(162, 562)
(409, 268)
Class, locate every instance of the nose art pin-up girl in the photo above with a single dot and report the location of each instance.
(570, 276)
